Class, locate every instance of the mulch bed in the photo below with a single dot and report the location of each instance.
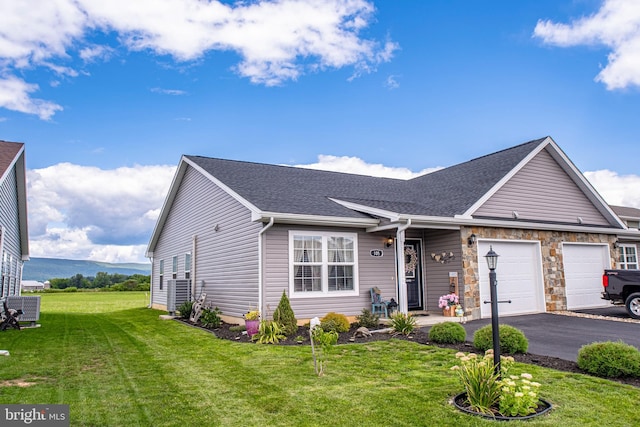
(421, 336)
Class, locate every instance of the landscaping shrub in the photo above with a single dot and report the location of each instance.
(334, 322)
(610, 359)
(70, 289)
(512, 340)
(368, 319)
(285, 316)
(185, 309)
(270, 332)
(447, 333)
(403, 323)
(210, 318)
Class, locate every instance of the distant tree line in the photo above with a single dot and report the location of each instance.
(104, 281)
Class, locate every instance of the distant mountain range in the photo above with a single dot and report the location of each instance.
(42, 269)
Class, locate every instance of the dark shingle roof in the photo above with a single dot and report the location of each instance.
(285, 189)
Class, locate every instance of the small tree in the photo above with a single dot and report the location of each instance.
(285, 317)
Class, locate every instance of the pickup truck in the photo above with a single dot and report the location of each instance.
(623, 287)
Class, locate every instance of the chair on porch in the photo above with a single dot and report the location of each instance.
(378, 305)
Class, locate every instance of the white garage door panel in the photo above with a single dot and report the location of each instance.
(519, 278)
(583, 267)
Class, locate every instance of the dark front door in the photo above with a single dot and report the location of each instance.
(413, 273)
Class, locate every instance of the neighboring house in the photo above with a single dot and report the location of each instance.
(32, 285)
(245, 232)
(628, 246)
(14, 237)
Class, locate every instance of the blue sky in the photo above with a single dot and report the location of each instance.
(107, 97)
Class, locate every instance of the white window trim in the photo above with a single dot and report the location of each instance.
(325, 293)
(625, 263)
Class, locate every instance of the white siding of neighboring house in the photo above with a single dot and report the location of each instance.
(373, 271)
(11, 239)
(226, 260)
(561, 201)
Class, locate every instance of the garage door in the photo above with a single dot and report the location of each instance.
(583, 267)
(519, 274)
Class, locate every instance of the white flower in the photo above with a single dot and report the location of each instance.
(535, 384)
(527, 376)
(519, 394)
(460, 354)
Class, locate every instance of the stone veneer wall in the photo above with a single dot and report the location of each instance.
(552, 263)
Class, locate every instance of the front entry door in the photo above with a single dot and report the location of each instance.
(413, 273)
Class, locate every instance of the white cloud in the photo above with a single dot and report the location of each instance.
(617, 26)
(360, 167)
(175, 92)
(620, 190)
(277, 40)
(14, 95)
(89, 213)
(392, 82)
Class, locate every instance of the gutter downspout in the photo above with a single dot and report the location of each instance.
(403, 305)
(193, 267)
(260, 262)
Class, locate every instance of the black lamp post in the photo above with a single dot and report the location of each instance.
(492, 262)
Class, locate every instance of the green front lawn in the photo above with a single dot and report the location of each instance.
(116, 363)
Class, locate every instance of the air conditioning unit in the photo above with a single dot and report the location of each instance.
(178, 292)
(30, 306)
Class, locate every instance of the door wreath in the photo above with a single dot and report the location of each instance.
(410, 259)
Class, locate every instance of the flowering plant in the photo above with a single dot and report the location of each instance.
(252, 315)
(448, 300)
(487, 392)
(519, 395)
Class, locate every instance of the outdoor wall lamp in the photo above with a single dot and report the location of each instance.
(471, 240)
(616, 244)
(388, 242)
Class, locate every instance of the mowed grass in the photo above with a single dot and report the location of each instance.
(117, 364)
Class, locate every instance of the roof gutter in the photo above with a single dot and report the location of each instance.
(260, 260)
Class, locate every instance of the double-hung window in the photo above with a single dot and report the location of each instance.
(627, 257)
(323, 264)
(187, 265)
(174, 267)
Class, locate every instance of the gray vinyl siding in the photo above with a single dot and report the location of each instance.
(542, 191)
(226, 259)
(10, 220)
(437, 274)
(372, 271)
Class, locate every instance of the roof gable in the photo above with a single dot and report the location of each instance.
(12, 156)
(562, 201)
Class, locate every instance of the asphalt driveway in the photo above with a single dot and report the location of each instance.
(562, 336)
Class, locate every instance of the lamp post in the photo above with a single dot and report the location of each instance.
(492, 262)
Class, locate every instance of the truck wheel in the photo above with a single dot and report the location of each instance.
(633, 305)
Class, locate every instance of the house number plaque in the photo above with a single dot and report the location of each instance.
(376, 252)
